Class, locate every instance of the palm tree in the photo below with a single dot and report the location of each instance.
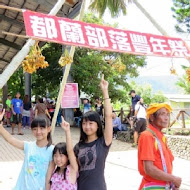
(184, 84)
(114, 6)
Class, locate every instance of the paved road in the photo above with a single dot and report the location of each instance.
(121, 165)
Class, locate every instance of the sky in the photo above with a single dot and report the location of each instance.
(135, 20)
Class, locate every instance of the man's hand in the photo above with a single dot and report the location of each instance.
(176, 181)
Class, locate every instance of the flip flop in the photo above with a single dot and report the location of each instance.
(20, 134)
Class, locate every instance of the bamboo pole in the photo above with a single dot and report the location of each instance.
(19, 57)
(64, 80)
(10, 8)
(14, 34)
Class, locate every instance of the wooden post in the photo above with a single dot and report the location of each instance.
(27, 84)
(183, 118)
(121, 113)
(176, 119)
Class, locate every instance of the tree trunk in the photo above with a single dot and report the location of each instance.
(27, 84)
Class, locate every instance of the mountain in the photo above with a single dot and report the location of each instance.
(166, 84)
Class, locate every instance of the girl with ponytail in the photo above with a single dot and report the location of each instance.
(38, 154)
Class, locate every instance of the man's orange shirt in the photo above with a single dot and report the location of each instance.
(148, 150)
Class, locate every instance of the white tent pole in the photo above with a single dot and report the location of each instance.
(19, 57)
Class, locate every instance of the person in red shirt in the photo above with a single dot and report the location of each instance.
(150, 163)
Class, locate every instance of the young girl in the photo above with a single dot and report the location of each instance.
(94, 145)
(65, 175)
(38, 155)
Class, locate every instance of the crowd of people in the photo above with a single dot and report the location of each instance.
(21, 112)
(62, 167)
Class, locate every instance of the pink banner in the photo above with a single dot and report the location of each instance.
(70, 98)
(70, 32)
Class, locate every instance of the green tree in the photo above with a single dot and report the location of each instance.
(114, 7)
(16, 83)
(184, 84)
(48, 79)
(183, 81)
(158, 98)
(44, 79)
(90, 64)
(181, 11)
(145, 91)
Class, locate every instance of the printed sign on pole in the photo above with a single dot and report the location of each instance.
(70, 98)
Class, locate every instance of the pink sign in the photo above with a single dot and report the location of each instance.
(71, 32)
(70, 98)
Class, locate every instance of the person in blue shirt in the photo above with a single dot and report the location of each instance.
(116, 121)
(17, 108)
(38, 154)
(134, 99)
(87, 106)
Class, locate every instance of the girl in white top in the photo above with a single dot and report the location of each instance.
(38, 154)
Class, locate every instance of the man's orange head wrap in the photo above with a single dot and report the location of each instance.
(155, 107)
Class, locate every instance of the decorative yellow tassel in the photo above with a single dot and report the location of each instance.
(65, 59)
(34, 60)
(188, 74)
(118, 65)
(173, 71)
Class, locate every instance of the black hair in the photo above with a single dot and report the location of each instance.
(40, 100)
(42, 122)
(91, 116)
(62, 149)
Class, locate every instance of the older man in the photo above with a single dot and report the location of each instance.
(154, 157)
